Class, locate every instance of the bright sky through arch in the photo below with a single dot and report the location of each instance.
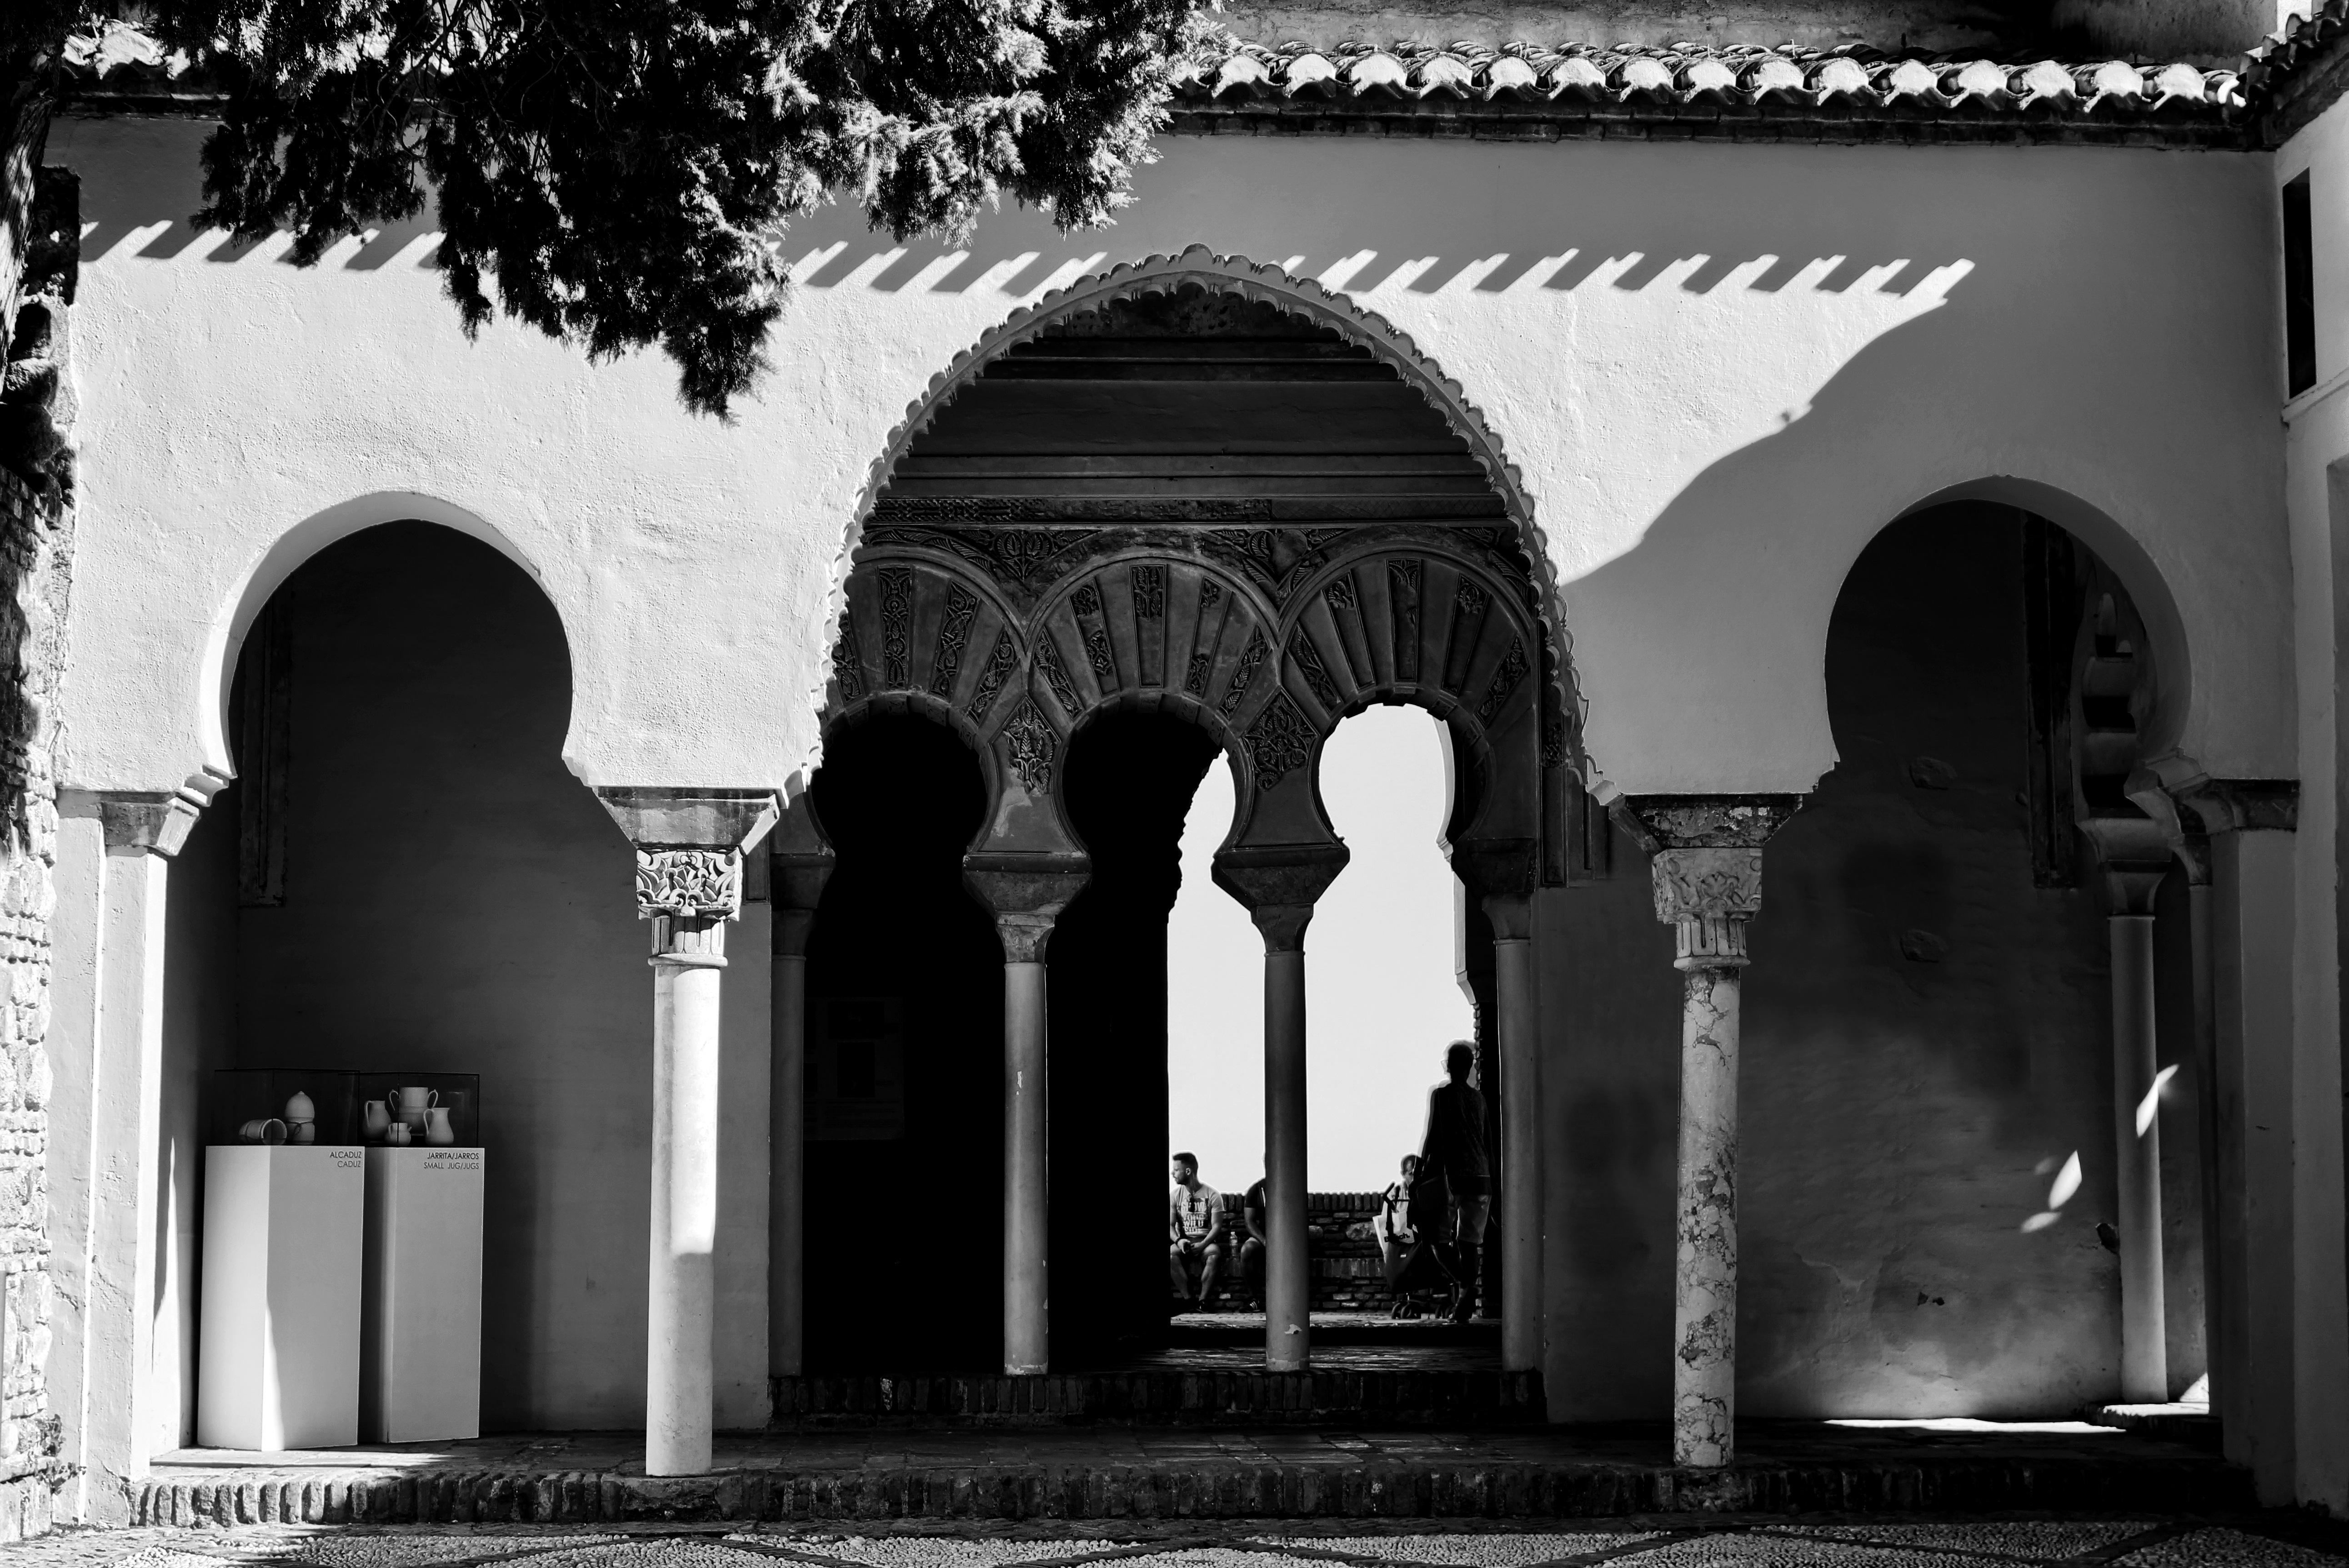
(1381, 995)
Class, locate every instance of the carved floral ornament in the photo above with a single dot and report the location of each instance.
(704, 883)
(1697, 884)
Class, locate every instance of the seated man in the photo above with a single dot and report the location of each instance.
(1252, 1245)
(1194, 1228)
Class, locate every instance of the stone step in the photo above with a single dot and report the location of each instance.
(1407, 1396)
(2192, 1425)
(2157, 1478)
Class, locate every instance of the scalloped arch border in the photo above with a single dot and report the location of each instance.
(1271, 285)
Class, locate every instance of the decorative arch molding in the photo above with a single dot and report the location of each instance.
(1199, 265)
(285, 555)
(1018, 615)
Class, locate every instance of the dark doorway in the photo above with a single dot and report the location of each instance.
(904, 1152)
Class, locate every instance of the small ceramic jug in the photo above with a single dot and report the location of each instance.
(437, 1129)
(396, 1133)
(377, 1120)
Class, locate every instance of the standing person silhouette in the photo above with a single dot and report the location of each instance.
(1452, 1157)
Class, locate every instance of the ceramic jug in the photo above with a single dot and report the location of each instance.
(437, 1129)
(409, 1106)
(377, 1118)
(397, 1134)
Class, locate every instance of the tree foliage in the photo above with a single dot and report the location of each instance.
(619, 172)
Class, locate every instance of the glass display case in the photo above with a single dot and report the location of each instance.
(297, 1106)
(438, 1110)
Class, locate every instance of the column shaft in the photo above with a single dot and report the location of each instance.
(678, 1308)
(787, 1165)
(1704, 1278)
(2222, 1267)
(1288, 1280)
(1521, 1173)
(121, 1426)
(1026, 1210)
(2137, 1140)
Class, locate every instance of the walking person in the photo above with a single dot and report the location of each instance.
(1454, 1154)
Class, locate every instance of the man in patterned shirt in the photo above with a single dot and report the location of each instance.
(1194, 1233)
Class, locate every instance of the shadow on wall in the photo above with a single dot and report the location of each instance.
(1929, 1030)
(1621, 230)
(1926, 1034)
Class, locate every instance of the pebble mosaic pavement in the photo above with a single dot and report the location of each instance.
(1677, 1542)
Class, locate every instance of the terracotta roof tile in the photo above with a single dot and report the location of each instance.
(1694, 73)
(1683, 85)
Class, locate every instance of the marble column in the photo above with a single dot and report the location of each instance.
(106, 1049)
(1288, 1265)
(801, 864)
(1027, 1193)
(1707, 870)
(1279, 883)
(1521, 1154)
(690, 849)
(1027, 893)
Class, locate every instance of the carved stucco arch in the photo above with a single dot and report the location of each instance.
(1200, 265)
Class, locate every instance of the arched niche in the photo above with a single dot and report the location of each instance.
(2173, 688)
(279, 562)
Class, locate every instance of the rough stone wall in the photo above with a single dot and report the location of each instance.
(34, 533)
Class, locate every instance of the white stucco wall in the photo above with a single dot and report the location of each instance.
(1721, 370)
(2317, 479)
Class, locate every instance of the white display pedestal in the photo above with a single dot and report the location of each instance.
(280, 1351)
(420, 1339)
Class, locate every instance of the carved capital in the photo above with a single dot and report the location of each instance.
(2133, 854)
(699, 883)
(1512, 915)
(1024, 936)
(1708, 894)
(1690, 884)
(1704, 821)
(138, 821)
(1282, 926)
(1026, 892)
(690, 941)
(1497, 867)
